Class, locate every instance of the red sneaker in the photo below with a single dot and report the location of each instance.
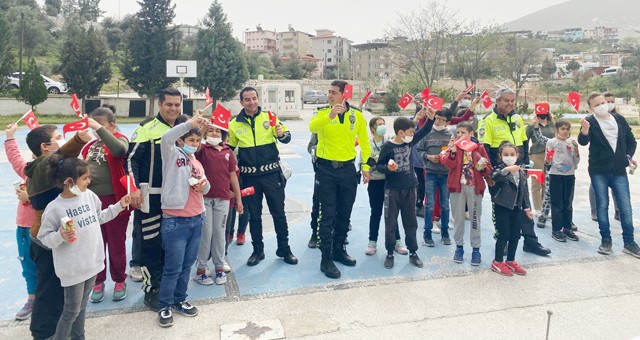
(501, 268)
(241, 239)
(515, 268)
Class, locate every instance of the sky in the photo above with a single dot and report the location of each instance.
(357, 20)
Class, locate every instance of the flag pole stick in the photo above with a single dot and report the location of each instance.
(21, 118)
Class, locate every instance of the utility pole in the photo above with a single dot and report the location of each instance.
(21, 46)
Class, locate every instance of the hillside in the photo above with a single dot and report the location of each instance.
(623, 14)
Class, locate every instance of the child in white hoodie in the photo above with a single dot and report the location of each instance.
(78, 253)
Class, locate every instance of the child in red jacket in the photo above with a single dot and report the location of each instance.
(467, 170)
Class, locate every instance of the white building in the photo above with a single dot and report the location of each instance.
(294, 42)
(330, 48)
(261, 41)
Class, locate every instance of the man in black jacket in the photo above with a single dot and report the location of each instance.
(611, 148)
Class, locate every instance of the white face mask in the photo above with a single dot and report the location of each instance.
(465, 103)
(407, 139)
(509, 160)
(612, 106)
(601, 110)
(439, 127)
(215, 141)
(74, 189)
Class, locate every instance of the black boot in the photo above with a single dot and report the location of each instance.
(328, 267)
(340, 255)
(536, 248)
(255, 258)
(287, 255)
(151, 299)
(313, 241)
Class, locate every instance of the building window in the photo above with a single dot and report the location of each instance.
(328, 60)
(328, 50)
(289, 96)
(329, 41)
(273, 96)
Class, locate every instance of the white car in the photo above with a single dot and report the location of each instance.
(53, 87)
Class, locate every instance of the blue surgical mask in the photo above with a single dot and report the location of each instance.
(381, 130)
(188, 149)
(465, 103)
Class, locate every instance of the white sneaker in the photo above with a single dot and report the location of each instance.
(435, 229)
(226, 267)
(135, 273)
(371, 248)
(203, 279)
(221, 278)
(400, 248)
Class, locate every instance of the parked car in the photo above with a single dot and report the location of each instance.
(316, 97)
(531, 77)
(378, 97)
(611, 71)
(53, 87)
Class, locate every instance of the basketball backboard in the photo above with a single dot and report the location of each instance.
(182, 68)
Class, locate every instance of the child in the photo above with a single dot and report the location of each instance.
(400, 186)
(78, 253)
(430, 150)
(220, 166)
(510, 196)
(24, 219)
(563, 157)
(184, 183)
(105, 156)
(375, 189)
(467, 170)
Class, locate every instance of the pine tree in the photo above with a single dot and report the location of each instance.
(221, 63)
(148, 47)
(85, 62)
(32, 88)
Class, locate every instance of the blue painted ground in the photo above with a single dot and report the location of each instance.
(273, 276)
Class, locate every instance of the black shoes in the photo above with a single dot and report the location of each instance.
(340, 255)
(542, 221)
(388, 262)
(537, 249)
(420, 211)
(255, 258)
(570, 234)
(415, 260)
(329, 268)
(186, 308)
(313, 241)
(559, 236)
(605, 247)
(151, 300)
(165, 317)
(287, 255)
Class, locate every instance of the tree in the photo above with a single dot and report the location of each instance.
(85, 62)
(392, 98)
(221, 64)
(88, 10)
(37, 28)
(6, 56)
(147, 48)
(548, 67)
(469, 48)
(422, 37)
(518, 57)
(52, 7)
(573, 65)
(32, 88)
(259, 64)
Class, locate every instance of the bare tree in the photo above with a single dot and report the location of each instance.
(469, 50)
(519, 56)
(421, 39)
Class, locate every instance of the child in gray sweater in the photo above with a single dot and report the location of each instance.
(78, 253)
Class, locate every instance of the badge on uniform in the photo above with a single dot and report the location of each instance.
(352, 120)
(266, 125)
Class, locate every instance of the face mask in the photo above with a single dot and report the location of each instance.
(601, 110)
(612, 106)
(465, 103)
(439, 127)
(74, 189)
(188, 149)
(61, 142)
(407, 139)
(381, 130)
(509, 160)
(543, 117)
(214, 140)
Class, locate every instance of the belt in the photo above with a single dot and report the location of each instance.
(335, 164)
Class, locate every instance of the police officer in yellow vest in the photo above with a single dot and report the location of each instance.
(144, 164)
(501, 125)
(337, 126)
(259, 162)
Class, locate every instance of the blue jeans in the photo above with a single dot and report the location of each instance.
(180, 240)
(433, 182)
(620, 187)
(24, 255)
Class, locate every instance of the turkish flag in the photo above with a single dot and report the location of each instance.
(30, 119)
(405, 100)
(542, 108)
(248, 191)
(486, 99)
(348, 91)
(537, 174)
(466, 144)
(364, 99)
(273, 120)
(220, 117)
(574, 100)
(434, 102)
(75, 105)
(128, 182)
(80, 125)
(209, 101)
(470, 88)
(549, 155)
(425, 93)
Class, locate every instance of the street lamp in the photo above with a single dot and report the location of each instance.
(21, 46)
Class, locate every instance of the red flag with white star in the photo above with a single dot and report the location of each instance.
(486, 99)
(220, 117)
(405, 100)
(574, 100)
(542, 108)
